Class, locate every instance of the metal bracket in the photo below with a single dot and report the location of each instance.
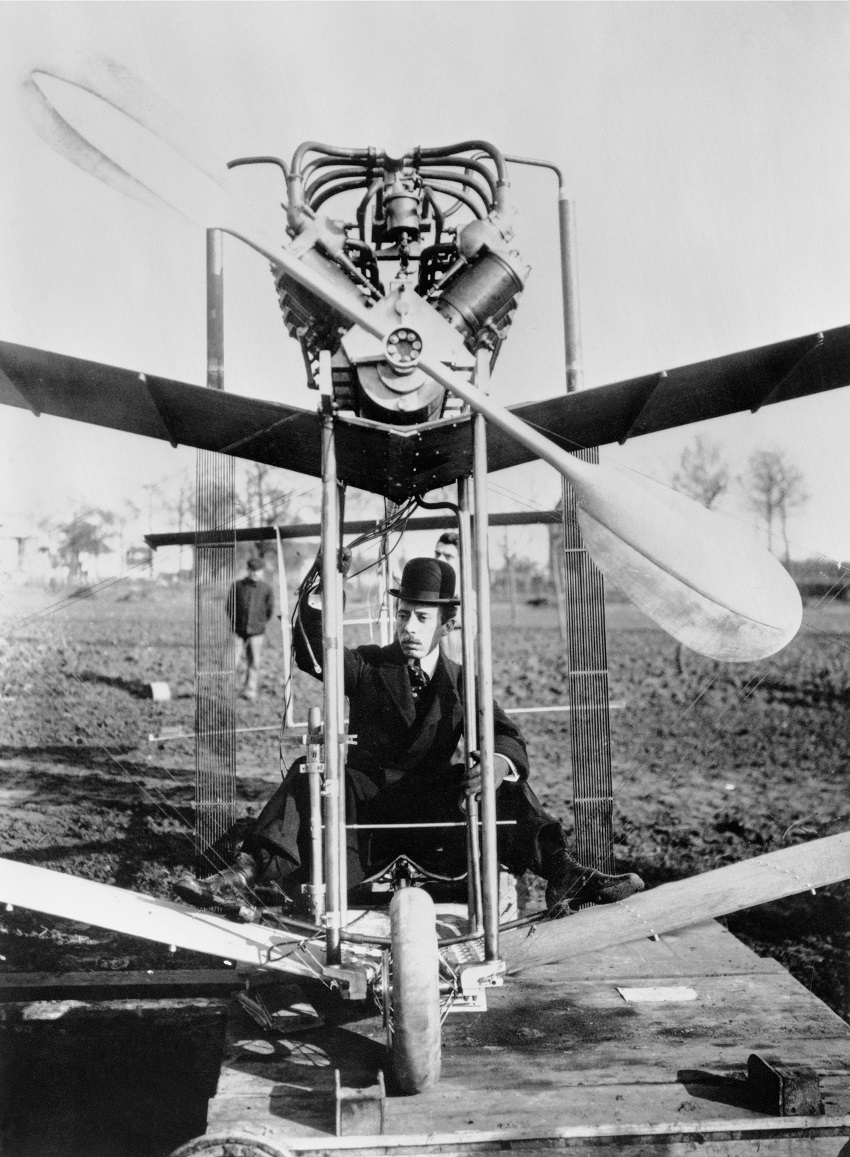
(159, 402)
(784, 1090)
(478, 975)
(25, 391)
(814, 343)
(352, 982)
(360, 1112)
(634, 424)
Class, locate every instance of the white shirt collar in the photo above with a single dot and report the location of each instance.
(429, 662)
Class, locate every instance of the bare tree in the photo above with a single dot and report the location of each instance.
(85, 534)
(182, 507)
(128, 513)
(702, 474)
(774, 488)
(263, 501)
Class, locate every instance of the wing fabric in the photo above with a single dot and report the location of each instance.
(120, 399)
(709, 389)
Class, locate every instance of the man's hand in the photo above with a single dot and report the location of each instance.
(471, 782)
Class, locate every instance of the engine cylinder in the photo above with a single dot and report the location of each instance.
(308, 317)
(480, 291)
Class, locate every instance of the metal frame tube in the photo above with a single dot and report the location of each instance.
(385, 619)
(285, 635)
(317, 853)
(475, 902)
(569, 290)
(486, 741)
(333, 791)
(215, 309)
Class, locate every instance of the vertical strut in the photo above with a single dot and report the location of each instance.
(470, 724)
(486, 743)
(215, 740)
(593, 793)
(285, 633)
(334, 789)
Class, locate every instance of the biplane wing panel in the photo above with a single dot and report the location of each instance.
(692, 393)
(183, 414)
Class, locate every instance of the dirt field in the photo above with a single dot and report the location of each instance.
(711, 764)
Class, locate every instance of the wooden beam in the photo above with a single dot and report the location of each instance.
(787, 872)
(159, 984)
(664, 909)
(105, 906)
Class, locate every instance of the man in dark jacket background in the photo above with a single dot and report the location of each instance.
(406, 711)
(250, 605)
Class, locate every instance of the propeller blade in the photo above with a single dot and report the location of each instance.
(693, 573)
(108, 122)
(696, 574)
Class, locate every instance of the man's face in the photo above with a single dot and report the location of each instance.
(255, 575)
(447, 552)
(418, 628)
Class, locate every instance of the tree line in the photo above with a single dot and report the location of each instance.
(771, 484)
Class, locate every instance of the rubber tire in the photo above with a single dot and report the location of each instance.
(416, 1041)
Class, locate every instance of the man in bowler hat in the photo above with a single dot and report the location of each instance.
(406, 711)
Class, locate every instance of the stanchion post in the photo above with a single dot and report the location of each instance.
(486, 742)
(334, 791)
(470, 711)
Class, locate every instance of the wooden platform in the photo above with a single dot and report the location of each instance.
(561, 1058)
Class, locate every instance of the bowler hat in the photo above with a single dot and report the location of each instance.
(427, 580)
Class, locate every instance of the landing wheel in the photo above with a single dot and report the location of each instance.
(415, 1048)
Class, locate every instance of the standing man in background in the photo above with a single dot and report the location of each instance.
(250, 605)
(447, 550)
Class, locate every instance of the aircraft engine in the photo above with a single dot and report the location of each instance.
(448, 289)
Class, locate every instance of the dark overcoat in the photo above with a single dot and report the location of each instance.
(404, 767)
(249, 607)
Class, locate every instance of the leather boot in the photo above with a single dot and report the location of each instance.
(219, 888)
(569, 883)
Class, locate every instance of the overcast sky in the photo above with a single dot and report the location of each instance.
(705, 145)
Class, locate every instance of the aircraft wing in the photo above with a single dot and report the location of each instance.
(395, 461)
(400, 461)
(709, 389)
(120, 399)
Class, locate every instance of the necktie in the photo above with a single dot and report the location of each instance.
(418, 678)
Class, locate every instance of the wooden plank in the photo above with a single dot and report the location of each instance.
(301, 1116)
(705, 950)
(158, 984)
(560, 1051)
(549, 1054)
(745, 1134)
(680, 904)
(105, 906)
